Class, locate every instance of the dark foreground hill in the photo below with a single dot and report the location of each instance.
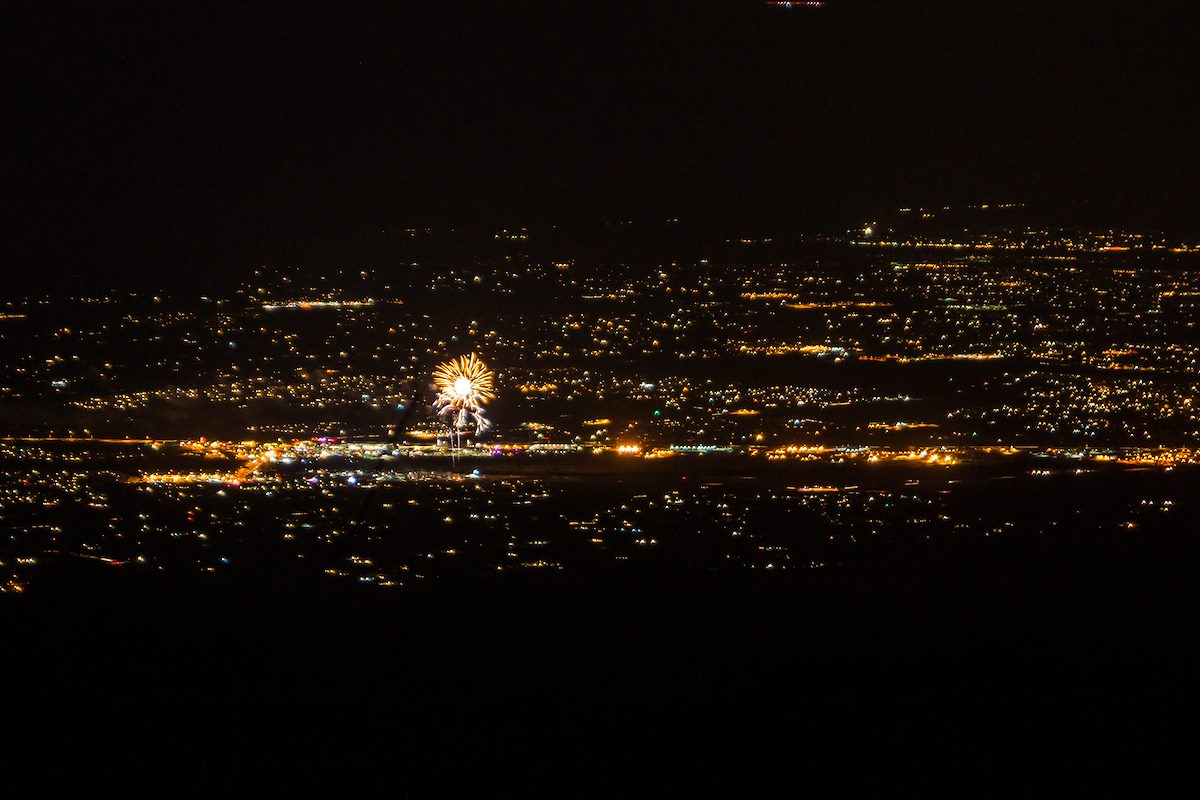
(1024, 664)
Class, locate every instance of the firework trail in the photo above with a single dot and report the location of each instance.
(464, 386)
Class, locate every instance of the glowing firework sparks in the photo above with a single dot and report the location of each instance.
(464, 386)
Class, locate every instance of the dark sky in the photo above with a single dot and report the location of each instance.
(193, 133)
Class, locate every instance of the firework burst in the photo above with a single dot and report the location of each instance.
(464, 386)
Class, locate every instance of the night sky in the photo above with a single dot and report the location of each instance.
(207, 135)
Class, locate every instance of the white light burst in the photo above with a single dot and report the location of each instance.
(464, 386)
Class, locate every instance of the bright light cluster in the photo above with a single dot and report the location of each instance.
(464, 386)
